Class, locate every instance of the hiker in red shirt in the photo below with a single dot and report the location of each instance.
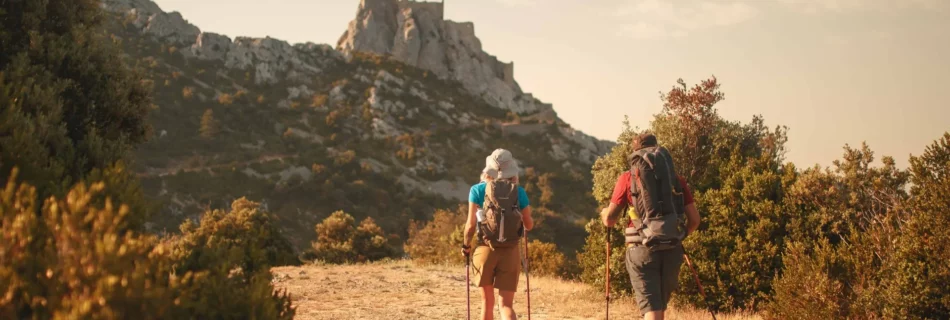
(654, 250)
(621, 198)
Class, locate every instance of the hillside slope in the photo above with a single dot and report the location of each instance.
(307, 130)
(400, 290)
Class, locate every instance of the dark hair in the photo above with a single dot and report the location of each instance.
(644, 140)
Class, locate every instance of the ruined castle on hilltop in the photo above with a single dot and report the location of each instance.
(417, 33)
(435, 8)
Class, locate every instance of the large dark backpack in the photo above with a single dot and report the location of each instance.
(657, 198)
(502, 226)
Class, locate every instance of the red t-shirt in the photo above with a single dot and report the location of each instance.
(622, 198)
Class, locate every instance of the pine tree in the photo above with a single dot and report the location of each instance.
(209, 127)
(67, 107)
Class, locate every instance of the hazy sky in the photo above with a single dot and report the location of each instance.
(835, 72)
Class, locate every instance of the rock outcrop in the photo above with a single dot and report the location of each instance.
(416, 33)
(271, 60)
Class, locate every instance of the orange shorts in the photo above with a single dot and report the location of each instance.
(500, 268)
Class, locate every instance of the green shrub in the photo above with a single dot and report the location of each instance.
(370, 242)
(225, 99)
(73, 261)
(848, 231)
(209, 126)
(56, 63)
(340, 240)
(334, 235)
(891, 261)
(546, 260)
(807, 289)
(247, 233)
(439, 240)
(121, 185)
(234, 252)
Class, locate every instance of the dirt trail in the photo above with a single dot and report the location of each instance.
(401, 291)
(173, 169)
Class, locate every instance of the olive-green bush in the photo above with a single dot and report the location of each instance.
(893, 261)
(340, 240)
(69, 102)
(72, 261)
(234, 251)
(75, 261)
(546, 260)
(437, 241)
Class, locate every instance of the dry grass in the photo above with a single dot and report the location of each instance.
(402, 290)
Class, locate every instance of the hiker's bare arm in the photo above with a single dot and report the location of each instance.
(610, 214)
(526, 218)
(692, 218)
(470, 222)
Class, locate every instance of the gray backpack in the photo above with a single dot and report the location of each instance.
(658, 200)
(502, 226)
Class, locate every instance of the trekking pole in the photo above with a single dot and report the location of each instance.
(607, 283)
(698, 284)
(468, 286)
(527, 279)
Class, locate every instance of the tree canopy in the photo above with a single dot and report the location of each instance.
(69, 105)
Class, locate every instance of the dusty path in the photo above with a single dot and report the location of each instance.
(401, 291)
(180, 166)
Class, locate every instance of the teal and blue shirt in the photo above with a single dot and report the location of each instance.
(477, 195)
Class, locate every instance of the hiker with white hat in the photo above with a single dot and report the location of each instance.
(496, 259)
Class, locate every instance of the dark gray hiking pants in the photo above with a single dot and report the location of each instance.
(654, 275)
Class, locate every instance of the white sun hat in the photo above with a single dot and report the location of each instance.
(501, 165)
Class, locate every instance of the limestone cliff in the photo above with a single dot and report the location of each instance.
(271, 60)
(417, 34)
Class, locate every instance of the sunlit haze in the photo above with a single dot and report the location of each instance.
(835, 72)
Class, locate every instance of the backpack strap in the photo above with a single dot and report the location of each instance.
(637, 182)
(635, 187)
(514, 192)
(489, 195)
(517, 208)
(674, 180)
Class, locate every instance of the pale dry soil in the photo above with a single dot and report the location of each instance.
(402, 290)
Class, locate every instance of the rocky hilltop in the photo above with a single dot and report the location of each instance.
(381, 127)
(417, 33)
(270, 59)
(410, 31)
